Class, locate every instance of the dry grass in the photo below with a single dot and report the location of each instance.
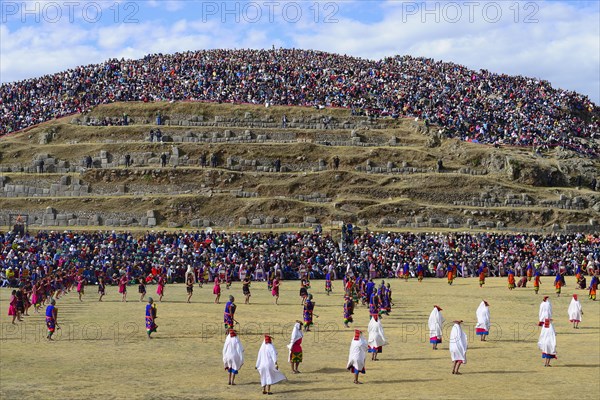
(102, 348)
(355, 195)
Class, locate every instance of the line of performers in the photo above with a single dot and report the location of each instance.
(534, 274)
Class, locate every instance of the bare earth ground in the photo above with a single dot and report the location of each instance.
(102, 349)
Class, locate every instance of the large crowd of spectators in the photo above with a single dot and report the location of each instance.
(471, 105)
(292, 255)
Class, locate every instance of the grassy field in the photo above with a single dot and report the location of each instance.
(102, 348)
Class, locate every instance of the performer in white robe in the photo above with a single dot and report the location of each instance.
(233, 355)
(358, 355)
(295, 347)
(545, 311)
(376, 337)
(547, 342)
(575, 312)
(458, 347)
(483, 320)
(266, 364)
(436, 322)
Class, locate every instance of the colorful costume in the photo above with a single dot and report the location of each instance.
(304, 285)
(558, 282)
(511, 279)
(275, 288)
(12, 306)
(450, 273)
(160, 289)
(348, 310)
(481, 273)
(150, 317)
(593, 287)
(384, 298)
(536, 282)
(420, 272)
(80, 284)
(101, 288)
(374, 305)
(295, 345)
(217, 286)
(309, 307)
(228, 314)
(51, 314)
(123, 285)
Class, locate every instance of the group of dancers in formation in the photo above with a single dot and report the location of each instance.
(356, 290)
(379, 300)
(559, 280)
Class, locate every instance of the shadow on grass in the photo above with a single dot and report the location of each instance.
(285, 392)
(327, 371)
(577, 365)
(395, 381)
(409, 359)
(415, 359)
(500, 372)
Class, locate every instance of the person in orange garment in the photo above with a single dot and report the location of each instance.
(537, 281)
(558, 283)
(593, 287)
(511, 279)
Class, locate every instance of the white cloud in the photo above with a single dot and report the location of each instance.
(563, 47)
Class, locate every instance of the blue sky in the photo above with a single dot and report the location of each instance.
(554, 40)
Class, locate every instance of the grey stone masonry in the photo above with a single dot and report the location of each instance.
(51, 218)
(314, 197)
(489, 200)
(67, 187)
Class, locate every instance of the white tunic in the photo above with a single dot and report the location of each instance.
(547, 341)
(233, 353)
(483, 317)
(358, 354)
(376, 335)
(575, 310)
(545, 311)
(265, 364)
(458, 344)
(436, 321)
(296, 335)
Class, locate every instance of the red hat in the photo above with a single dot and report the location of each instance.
(438, 307)
(545, 298)
(357, 333)
(268, 339)
(547, 323)
(575, 296)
